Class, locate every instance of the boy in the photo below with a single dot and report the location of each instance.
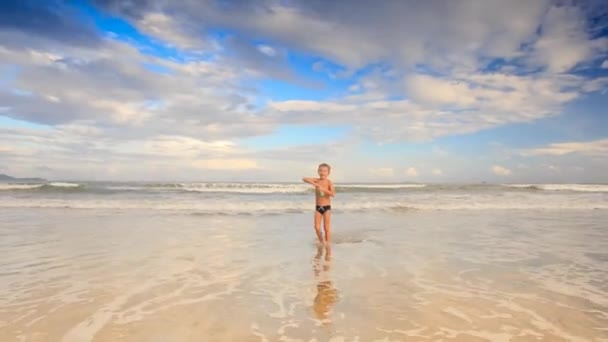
(324, 190)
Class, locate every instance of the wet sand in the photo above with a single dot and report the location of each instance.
(94, 275)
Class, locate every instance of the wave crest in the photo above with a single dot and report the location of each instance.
(562, 187)
(40, 186)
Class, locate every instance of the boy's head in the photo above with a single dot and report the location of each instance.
(324, 170)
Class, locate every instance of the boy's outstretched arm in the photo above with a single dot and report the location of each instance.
(310, 180)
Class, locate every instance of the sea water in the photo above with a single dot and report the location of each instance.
(135, 261)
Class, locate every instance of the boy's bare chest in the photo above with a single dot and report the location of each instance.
(323, 183)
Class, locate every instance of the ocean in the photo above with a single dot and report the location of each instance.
(277, 198)
(154, 261)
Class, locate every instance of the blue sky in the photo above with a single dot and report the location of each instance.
(507, 92)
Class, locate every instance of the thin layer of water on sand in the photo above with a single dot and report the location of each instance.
(79, 275)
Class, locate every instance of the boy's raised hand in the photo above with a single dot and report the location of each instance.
(310, 180)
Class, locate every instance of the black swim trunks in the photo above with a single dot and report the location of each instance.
(323, 208)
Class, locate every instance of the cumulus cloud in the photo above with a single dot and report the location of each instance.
(403, 30)
(79, 151)
(198, 98)
(411, 172)
(437, 172)
(267, 50)
(173, 32)
(310, 106)
(383, 172)
(433, 91)
(501, 170)
(209, 97)
(87, 152)
(226, 164)
(564, 42)
(590, 148)
(438, 107)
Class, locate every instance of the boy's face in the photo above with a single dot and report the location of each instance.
(323, 171)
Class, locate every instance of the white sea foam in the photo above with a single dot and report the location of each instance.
(237, 188)
(563, 187)
(259, 188)
(21, 186)
(234, 206)
(256, 198)
(383, 186)
(64, 184)
(12, 186)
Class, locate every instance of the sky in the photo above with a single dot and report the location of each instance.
(229, 90)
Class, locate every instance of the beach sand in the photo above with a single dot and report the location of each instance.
(111, 275)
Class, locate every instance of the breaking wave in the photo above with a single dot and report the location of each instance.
(57, 186)
(228, 207)
(561, 187)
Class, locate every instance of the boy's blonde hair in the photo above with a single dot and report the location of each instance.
(325, 165)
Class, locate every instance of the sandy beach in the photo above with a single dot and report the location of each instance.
(493, 275)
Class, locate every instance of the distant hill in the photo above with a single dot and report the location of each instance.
(6, 178)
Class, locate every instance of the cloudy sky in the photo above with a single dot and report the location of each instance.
(386, 91)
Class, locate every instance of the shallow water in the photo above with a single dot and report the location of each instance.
(140, 275)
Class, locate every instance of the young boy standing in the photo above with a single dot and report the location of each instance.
(324, 190)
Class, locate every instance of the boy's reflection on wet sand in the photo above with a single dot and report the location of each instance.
(327, 294)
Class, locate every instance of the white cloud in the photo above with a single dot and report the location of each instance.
(268, 50)
(203, 98)
(174, 32)
(123, 113)
(52, 98)
(436, 92)
(501, 170)
(226, 164)
(411, 172)
(383, 172)
(437, 150)
(464, 103)
(437, 172)
(178, 146)
(309, 106)
(402, 32)
(86, 152)
(596, 84)
(67, 142)
(563, 43)
(354, 88)
(589, 148)
(605, 64)
(195, 98)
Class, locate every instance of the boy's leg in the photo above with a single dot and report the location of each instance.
(318, 218)
(327, 225)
